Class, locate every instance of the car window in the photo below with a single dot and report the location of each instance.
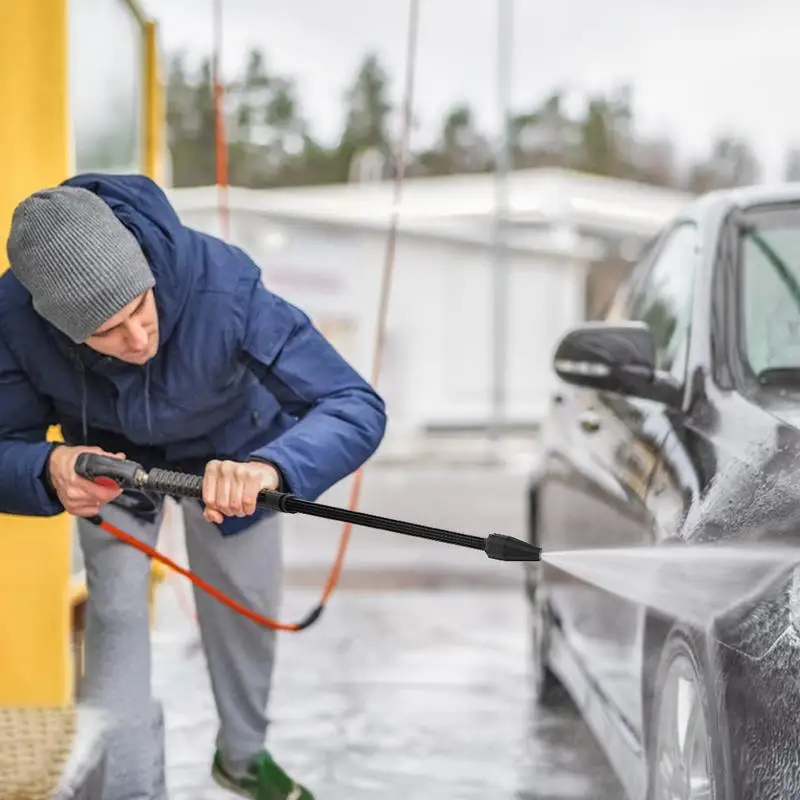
(663, 299)
(619, 307)
(770, 285)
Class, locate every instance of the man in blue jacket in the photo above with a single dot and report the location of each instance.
(140, 336)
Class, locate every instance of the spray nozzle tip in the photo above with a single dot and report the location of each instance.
(507, 548)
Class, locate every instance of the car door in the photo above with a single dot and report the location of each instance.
(578, 494)
(664, 301)
(620, 440)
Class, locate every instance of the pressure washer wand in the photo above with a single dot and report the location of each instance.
(130, 475)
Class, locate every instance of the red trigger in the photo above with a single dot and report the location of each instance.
(106, 483)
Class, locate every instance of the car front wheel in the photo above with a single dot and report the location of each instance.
(683, 759)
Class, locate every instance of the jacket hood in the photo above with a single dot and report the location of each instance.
(143, 208)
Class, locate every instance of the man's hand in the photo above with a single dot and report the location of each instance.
(230, 488)
(80, 497)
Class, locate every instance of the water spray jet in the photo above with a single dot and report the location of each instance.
(701, 585)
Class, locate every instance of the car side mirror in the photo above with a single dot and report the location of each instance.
(615, 357)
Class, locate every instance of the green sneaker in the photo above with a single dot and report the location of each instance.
(265, 781)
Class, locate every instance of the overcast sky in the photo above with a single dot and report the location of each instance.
(698, 66)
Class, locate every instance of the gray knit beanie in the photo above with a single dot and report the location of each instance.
(80, 264)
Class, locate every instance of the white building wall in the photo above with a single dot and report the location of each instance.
(437, 362)
(545, 298)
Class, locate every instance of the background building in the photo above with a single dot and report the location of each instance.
(571, 237)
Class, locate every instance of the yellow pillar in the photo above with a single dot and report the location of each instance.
(35, 658)
(154, 111)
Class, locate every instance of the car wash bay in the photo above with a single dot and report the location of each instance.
(416, 679)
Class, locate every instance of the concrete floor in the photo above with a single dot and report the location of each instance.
(415, 682)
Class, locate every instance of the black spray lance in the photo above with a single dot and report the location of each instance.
(132, 476)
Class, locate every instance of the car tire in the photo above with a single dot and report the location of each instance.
(546, 689)
(684, 754)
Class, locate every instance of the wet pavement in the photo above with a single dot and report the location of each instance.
(415, 682)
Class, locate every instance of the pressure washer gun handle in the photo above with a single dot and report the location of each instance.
(110, 472)
(181, 484)
(117, 472)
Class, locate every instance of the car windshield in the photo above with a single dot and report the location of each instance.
(770, 294)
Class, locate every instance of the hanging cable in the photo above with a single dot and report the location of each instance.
(220, 135)
(387, 274)
(390, 258)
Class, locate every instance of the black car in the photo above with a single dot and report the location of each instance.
(676, 423)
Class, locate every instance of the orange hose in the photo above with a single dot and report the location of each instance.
(259, 619)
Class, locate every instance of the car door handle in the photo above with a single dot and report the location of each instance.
(589, 422)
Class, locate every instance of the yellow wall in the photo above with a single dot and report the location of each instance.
(35, 148)
(34, 134)
(35, 665)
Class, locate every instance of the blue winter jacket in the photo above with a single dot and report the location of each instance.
(240, 373)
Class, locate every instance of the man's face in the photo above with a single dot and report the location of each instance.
(131, 335)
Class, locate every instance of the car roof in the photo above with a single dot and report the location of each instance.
(742, 197)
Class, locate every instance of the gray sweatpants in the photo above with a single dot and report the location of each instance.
(240, 654)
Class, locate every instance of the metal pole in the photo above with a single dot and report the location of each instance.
(505, 28)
